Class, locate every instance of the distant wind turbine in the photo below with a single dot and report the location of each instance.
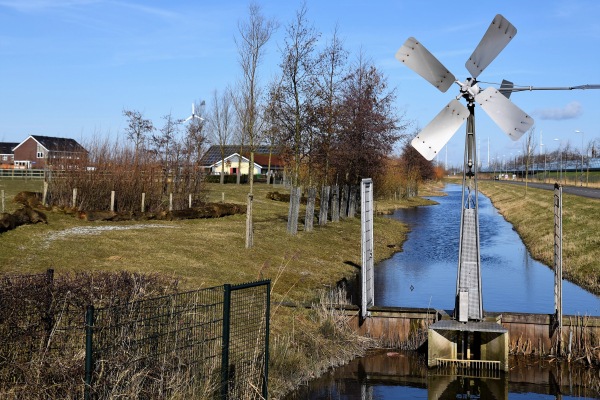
(194, 114)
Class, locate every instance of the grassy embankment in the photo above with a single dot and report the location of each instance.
(211, 252)
(533, 218)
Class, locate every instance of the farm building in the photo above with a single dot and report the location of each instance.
(38, 151)
(212, 160)
(6, 153)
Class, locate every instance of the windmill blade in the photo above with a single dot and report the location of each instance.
(439, 131)
(493, 42)
(192, 108)
(416, 57)
(200, 118)
(510, 118)
(188, 119)
(506, 88)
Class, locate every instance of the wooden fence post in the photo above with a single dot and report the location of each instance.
(344, 203)
(143, 202)
(335, 203)
(74, 197)
(249, 227)
(170, 201)
(311, 194)
(190, 201)
(3, 202)
(112, 200)
(222, 197)
(45, 194)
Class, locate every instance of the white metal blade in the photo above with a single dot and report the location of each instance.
(201, 119)
(416, 57)
(510, 118)
(188, 119)
(493, 42)
(439, 131)
(192, 108)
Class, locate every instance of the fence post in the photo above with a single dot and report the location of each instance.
(222, 197)
(225, 342)
(190, 201)
(266, 376)
(3, 201)
(112, 200)
(249, 226)
(74, 197)
(89, 322)
(45, 194)
(170, 201)
(143, 202)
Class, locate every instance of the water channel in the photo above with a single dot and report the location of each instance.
(511, 279)
(424, 274)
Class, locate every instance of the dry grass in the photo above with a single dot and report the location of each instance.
(387, 204)
(533, 219)
(211, 252)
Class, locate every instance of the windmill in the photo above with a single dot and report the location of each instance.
(496, 103)
(194, 114)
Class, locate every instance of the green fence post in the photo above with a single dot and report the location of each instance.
(89, 322)
(268, 315)
(225, 342)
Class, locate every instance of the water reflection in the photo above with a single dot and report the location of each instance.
(405, 375)
(511, 279)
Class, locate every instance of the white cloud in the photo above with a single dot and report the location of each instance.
(570, 111)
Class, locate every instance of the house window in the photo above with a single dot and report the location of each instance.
(4, 158)
(40, 154)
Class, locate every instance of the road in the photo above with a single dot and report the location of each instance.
(576, 190)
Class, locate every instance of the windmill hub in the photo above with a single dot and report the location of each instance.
(468, 89)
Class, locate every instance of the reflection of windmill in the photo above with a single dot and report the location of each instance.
(194, 113)
(495, 102)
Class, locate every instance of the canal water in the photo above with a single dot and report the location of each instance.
(404, 375)
(424, 273)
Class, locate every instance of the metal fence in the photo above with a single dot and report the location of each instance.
(210, 342)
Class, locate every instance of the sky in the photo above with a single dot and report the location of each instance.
(68, 68)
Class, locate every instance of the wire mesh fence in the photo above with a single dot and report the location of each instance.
(207, 343)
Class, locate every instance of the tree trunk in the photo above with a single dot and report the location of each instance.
(269, 170)
(251, 170)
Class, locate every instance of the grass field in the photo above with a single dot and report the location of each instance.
(533, 218)
(211, 252)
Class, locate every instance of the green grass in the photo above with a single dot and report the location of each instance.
(533, 218)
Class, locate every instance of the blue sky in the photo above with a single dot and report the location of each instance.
(69, 67)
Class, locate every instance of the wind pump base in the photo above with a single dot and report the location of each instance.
(466, 339)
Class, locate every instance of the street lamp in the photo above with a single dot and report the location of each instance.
(518, 158)
(542, 144)
(560, 148)
(581, 156)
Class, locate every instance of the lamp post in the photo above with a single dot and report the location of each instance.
(518, 158)
(581, 156)
(541, 144)
(504, 162)
(560, 148)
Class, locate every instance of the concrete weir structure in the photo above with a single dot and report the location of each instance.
(475, 345)
(501, 334)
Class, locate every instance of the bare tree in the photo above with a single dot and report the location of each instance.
(529, 146)
(254, 34)
(165, 142)
(295, 97)
(221, 124)
(138, 128)
(196, 133)
(329, 82)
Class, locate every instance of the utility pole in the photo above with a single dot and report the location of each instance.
(446, 163)
(488, 151)
(581, 157)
